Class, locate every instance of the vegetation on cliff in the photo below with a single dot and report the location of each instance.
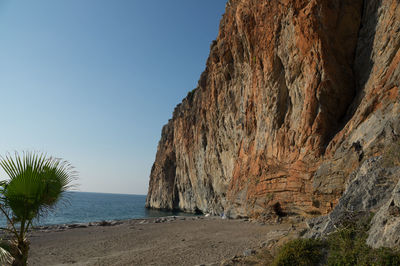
(345, 246)
(302, 252)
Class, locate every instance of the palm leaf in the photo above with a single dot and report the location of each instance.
(36, 183)
(5, 257)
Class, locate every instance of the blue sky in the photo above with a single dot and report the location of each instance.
(94, 81)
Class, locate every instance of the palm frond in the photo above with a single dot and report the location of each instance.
(5, 257)
(36, 183)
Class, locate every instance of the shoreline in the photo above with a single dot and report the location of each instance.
(115, 222)
(171, 240)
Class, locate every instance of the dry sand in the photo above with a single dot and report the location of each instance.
(167, 241)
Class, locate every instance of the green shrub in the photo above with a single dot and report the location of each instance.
(386, 256)
(346, 246)
(300, 252)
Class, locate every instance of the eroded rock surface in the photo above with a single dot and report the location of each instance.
(372, 188)
(297, 95)
(386, 222)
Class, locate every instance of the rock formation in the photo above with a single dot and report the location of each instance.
(297, 98)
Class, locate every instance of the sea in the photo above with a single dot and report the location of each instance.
(85, 207)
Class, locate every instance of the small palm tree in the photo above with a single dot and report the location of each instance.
(36, 184)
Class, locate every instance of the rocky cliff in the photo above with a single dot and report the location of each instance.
(297, 97)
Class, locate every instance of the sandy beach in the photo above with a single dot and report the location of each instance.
(156, 241)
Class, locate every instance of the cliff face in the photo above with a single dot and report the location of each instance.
(296, 96)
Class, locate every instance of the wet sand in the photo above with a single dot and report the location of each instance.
(166, 241)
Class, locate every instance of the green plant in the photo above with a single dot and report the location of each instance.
(346, 246)
(301, 251)
(35, 185)
(386, 256)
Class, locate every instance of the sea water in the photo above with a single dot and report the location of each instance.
(84, 207)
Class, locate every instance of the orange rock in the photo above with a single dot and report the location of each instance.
(288, 88)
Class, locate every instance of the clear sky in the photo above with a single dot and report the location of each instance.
(94, 81)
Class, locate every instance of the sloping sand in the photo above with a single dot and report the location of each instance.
(167, 241)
